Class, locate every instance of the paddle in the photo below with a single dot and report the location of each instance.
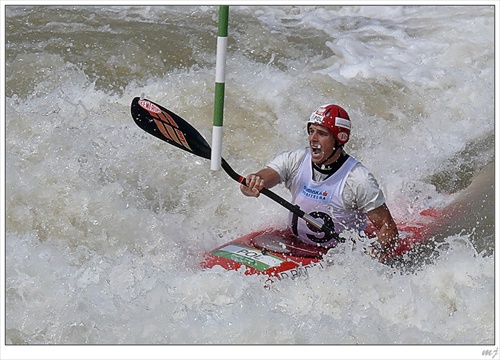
(169, 127)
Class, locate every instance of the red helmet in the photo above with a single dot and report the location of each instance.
(334, 118)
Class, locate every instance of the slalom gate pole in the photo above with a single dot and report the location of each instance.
(220, 79)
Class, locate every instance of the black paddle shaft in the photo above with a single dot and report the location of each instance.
(170, 127)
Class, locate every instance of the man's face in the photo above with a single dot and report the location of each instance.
(321, 142)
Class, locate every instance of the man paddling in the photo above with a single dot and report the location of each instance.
(328, 184)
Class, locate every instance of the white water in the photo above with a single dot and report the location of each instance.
(105, 225)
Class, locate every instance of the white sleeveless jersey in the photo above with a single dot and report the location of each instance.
(361, 190)
(323, 200)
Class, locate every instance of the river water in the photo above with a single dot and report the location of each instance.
(105, 225)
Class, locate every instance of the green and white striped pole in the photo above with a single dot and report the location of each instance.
(220, 79)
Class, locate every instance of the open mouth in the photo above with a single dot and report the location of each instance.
(316, 149)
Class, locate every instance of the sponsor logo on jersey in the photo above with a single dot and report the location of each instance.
(314, 194)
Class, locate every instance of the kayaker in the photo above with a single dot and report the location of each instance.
(328, 184)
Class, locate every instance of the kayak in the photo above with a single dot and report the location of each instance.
(277, 254)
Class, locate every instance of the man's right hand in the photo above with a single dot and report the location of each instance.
(254, 185)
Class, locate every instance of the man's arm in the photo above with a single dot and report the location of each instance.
(265, 178)
(387, 230)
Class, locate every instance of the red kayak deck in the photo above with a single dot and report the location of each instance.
(270, 252)
(277, 253)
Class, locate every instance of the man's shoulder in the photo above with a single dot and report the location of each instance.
(360, 169)
(299, 152)
(361, 175)
(292, 156)
(287, 163)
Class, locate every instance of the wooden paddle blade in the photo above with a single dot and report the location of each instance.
(167, 126)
